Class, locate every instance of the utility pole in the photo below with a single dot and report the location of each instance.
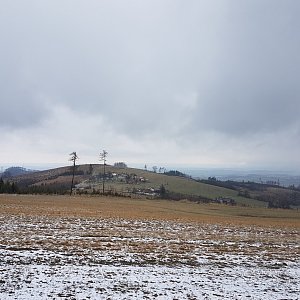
(73, 158)
(103, 156)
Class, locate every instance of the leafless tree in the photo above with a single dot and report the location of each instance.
(103, 156)
(73, 158)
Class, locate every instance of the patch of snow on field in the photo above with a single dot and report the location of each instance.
(78, 258)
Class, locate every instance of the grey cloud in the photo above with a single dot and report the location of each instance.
(21, 113)
(136, 63)
(123, 61)
(21, 106)
(255, 88)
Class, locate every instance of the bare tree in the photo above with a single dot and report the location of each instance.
(103, 156)
(73, 158)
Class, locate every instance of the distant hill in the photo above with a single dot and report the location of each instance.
(15, 171)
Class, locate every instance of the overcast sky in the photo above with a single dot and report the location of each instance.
(204, 83)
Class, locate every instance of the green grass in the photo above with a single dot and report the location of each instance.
(180, 185)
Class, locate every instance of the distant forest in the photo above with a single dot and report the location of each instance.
(7, 187)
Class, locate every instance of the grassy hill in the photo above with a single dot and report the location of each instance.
(138, 183)
(188, 186)
(142, 183)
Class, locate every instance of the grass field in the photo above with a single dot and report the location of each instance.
(95, 206)
(59, 247)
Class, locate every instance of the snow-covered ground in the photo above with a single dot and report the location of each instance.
(85, 258)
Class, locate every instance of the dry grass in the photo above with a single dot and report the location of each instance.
(106, 207)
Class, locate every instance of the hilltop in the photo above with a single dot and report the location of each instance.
(15, 171)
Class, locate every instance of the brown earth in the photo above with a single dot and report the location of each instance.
(107, 207)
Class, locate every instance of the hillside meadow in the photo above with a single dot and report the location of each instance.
(59, 180)
(182, 185)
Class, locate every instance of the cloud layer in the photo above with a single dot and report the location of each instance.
(151, 81)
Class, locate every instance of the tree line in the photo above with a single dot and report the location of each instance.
(7, 187)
